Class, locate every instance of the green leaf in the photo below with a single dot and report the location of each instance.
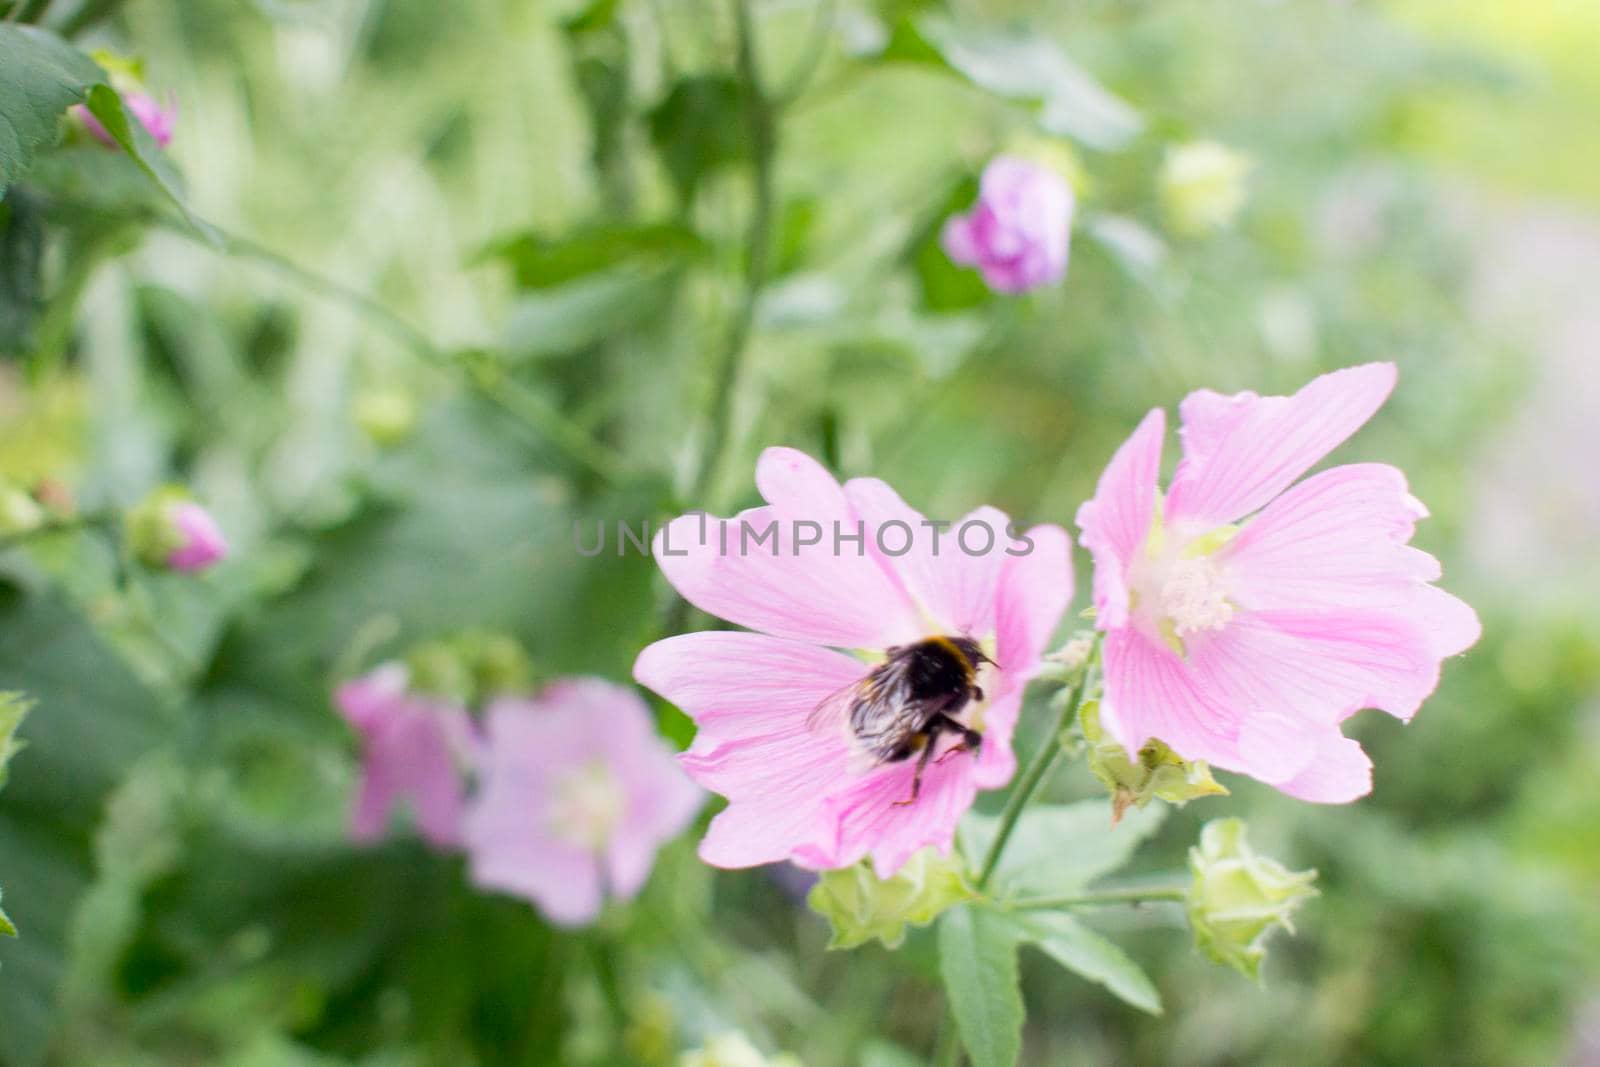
(1058, 848)
(978, 962)
(555, 321)
(40, 77)
(1024, 67)
(5, 924)
(539, 262)
(699, 128)
(1084, 952)
(94, 718)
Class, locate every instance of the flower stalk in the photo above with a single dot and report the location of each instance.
(1043, 761)
(1133, 894)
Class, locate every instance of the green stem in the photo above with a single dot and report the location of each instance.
(1043, 760)
(761, 128)
(55, 526)
(90, 13)
(482, 373)
(1132, 894)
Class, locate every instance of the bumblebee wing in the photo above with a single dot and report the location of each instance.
(833, 711)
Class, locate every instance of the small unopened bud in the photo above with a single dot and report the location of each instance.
(387, 416)
(169, 530)
(1202, 187)
(862, 907)
(19, 512)
(1155, 773)
(1239, 897)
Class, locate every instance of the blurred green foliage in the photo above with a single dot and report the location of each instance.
(549, 205)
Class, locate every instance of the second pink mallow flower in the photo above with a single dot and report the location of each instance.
(1248, 645)
(576, 794)
(799, 793)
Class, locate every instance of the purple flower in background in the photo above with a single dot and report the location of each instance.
(1017, 233)
(201, 542)
(412, 750)
(158, 120)
(577, 793)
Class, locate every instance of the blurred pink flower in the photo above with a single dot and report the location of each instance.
(793, 792)
(1247, 646)
(577, 793)
(202, 543)
(1018, 232)
(413, 750)
(159, 121)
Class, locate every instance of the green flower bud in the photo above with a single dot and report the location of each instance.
(387, 416)
(439, 669)
(1156, 773)
(733, 1050)
(1202, 187)
(499, 664)
(861, 907)
(1238, 897)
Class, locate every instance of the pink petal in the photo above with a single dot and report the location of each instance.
(1449, 624)
(562, 880)
(1243, 450)
(1117, 521)
(1335, 540)
(873, 822)
(1034, 592)
(783, 587)
(736, 685)
(1150, 692)
(949, 584)
(958, 241)
(1339, 773)
(1316, 667)
(751, 695)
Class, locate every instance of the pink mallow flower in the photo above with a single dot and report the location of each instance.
(1017, 234)
(829, 596)
(413, 751)
(158, 120)
(1246, 617)
(200, 540)
(577, 793)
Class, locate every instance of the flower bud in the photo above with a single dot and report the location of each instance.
(387, 416)
(861, 907)
(127, 78)
(169, 530)
(440, 669)
(1238, 897)
(1202, 186)
(19, 512)
(1156, 772)
(1018, 233)
(733, 1050)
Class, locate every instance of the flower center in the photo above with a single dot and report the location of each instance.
(1194, 596)
(586, 805)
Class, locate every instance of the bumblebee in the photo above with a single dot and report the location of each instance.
(907, 703)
